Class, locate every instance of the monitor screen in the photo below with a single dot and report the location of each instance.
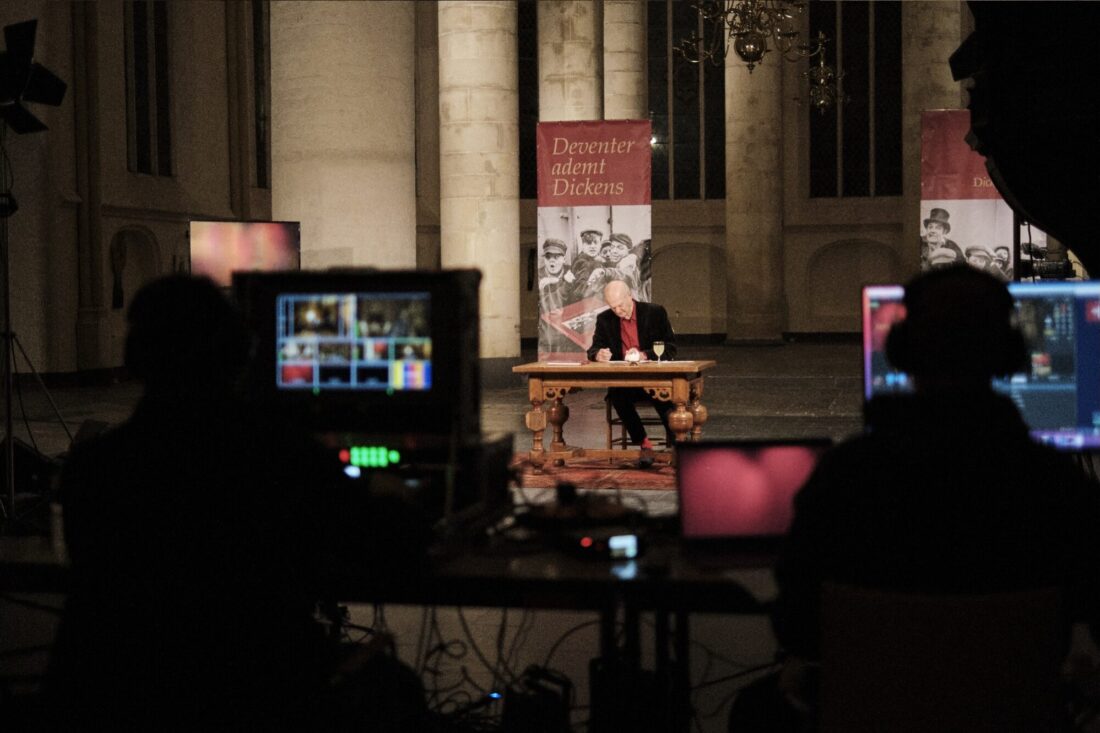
(220, 248)
(882, 308)
(354, 341)
(1058, 393)
(742, 489)
(374, 351)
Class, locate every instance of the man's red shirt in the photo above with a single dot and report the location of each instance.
(628, 330)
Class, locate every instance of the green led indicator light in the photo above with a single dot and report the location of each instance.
(373, 456)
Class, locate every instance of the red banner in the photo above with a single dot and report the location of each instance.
(601, 163)
(963, 217)
(949, 168)
(594, 226)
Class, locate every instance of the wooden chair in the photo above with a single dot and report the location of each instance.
(660, 438)
(902, 662)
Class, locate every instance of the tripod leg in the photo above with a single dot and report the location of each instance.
(41, 384)
(7, 504)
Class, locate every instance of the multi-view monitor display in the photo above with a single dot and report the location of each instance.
(1059, 392)
(336, 341)
(378, 352)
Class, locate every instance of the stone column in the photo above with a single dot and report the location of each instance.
(755, 301)
(342, 136)
(930, 33)
(427, 135)
(625, 54)
(569, 64)
(479, 159)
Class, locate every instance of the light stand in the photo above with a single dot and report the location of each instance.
(7, 208)
(21, 80)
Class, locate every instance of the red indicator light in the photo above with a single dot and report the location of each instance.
(586, 541)
(345, 455)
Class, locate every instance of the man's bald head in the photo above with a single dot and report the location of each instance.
(617, 295)
(615, 290)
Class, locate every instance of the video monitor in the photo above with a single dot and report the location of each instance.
(1058, 394)
(353, 341)
(882, 308)
(370, 351)
(220, 248)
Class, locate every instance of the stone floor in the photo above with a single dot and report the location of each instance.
(795, 390)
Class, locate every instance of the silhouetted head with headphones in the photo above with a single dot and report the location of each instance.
(186, 339)
(958, 331)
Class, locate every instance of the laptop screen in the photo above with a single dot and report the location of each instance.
(882, 308)
(742, 489)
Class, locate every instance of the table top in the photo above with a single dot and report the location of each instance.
(498, 574)
(648, 368)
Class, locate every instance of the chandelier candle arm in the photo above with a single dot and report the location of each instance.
(755, 28)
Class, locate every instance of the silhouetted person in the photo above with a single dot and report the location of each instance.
(196, 532)
(945, 492)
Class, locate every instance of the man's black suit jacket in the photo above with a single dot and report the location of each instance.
(653, 326)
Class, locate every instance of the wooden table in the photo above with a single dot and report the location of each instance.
(679, 382)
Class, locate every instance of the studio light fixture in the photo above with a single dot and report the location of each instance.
(754, 28)
(24, 80)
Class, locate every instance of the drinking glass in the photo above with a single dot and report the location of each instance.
(658, 348)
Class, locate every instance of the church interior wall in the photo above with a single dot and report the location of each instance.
(830, 248)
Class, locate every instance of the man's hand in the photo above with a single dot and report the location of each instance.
(603, 355)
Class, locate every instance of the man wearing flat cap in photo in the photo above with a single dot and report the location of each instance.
(586, 261)
(620, 263)
(935, 241)
(981, 258)
(554, 276)
(1001, 262)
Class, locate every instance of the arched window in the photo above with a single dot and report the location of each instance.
(687, 108)
(855, 147)
(148, 98)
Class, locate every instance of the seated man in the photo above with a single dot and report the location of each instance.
(946, 492)
(629, 327)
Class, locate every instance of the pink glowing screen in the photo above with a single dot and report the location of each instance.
(732, 490)
(218, 248)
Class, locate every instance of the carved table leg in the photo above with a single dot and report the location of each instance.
(699, 416)
(558, 414)
(536, 423)
(698, 411)
(679, 422)
(680, 419)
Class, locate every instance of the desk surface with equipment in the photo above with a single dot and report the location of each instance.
(539, 574)
(548, 382)
(497, 573)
